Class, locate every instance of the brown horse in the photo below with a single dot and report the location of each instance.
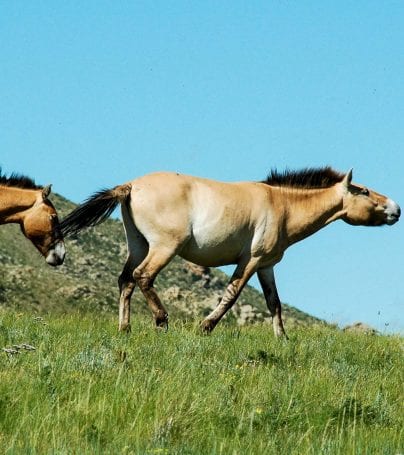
(211, 223)
(25, 203)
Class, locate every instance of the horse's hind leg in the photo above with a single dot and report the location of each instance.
(267, 280)
(145, 274)
(127, 285)
(138, 248)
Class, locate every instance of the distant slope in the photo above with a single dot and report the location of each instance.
(88, 279)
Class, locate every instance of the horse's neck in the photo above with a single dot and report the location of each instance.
(307, 211)
(14, 202)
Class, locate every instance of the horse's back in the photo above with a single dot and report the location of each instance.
(194, 198)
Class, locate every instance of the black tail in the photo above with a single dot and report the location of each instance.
(96, 209)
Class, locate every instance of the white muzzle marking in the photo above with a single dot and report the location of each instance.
(392, 212)
(56, 255)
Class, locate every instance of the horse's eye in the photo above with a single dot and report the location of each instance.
(365, 192)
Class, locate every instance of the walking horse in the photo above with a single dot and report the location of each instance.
(211, 223)
(27, 204)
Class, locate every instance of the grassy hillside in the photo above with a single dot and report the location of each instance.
(88, 279)
(86, 389)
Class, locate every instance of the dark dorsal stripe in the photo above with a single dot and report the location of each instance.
(18, 181)
(309, 178)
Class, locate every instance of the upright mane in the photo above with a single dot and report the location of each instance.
(18, 181)
(308, 178)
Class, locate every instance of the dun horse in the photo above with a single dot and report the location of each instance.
(210, 223)
(24, 203)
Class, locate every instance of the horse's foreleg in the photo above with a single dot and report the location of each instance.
(267, 280)
(145, 275)
(126, 287)
(237, 282)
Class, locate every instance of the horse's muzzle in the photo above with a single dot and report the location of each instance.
(56, 255)
(392, 212)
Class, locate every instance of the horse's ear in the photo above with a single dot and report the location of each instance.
(348, 178)
(46, 191)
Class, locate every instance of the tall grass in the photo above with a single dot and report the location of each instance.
(87, 389)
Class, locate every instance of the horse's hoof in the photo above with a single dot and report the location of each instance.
(207, 326)
(125, 328)
(162, 323)
(122, 356)
(162, 327)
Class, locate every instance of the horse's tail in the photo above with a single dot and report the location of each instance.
(96, 209)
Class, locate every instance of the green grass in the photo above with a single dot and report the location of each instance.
(87, 389)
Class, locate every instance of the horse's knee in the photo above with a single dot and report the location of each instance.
(143, 279)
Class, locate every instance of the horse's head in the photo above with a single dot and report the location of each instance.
(41, 226)
(365, 207)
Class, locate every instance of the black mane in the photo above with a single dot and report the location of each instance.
(308, 178)
(18, 181)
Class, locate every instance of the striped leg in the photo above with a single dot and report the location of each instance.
(238, 280)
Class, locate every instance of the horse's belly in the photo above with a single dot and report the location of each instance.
(212, 253)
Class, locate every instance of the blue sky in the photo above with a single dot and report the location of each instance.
(96, 93)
